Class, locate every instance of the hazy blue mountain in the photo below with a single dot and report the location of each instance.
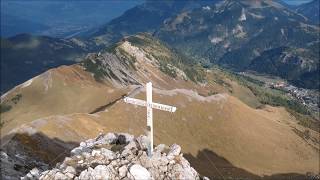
(310, 10)
(64, 18)
(25, 56)
(285, 3)
(11, 25)
(146, 17)
(234, 33)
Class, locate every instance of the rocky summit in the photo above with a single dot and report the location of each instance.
(120, 156)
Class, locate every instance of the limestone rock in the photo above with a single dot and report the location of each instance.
(107, 153)
(34, 172)
(70, 170)
(143, 142)
(101, 172)
(139, 172)
(110, 138)
(128, 137)
(174, 151)
(123, 171)
(119, 156)
(86, 174)
(60, 176)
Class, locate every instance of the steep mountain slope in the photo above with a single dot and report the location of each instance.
(98, 74)
(25, 56)
(310, 10)
(221, 136)
(291, 63)
(234, 33)
(146, 17)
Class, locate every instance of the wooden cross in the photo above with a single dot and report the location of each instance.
(150, 105)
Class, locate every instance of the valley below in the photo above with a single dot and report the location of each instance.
(308, 97)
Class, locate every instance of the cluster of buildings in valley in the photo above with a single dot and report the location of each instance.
(309, 98)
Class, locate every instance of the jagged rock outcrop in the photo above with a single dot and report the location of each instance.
(120, 156)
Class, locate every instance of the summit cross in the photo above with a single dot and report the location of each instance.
(150, 105)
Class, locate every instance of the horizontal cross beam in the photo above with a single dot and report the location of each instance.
(139, 102)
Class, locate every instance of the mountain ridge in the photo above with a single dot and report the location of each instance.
(250, 30)
(219, 108)
(131, 22)
(310, 10)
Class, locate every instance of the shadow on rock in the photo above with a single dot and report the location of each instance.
(24, 152)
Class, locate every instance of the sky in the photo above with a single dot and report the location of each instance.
(296, 2)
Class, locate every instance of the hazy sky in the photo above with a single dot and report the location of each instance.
(295, 2)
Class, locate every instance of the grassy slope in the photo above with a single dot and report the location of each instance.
(274, 97)
(259, 141)
(69, 90)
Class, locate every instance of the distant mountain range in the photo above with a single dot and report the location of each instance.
(234, 34)
(147, 17)
(67, 19)
(25, 56)
(240, 35)
(230, 33)
(310, 10)
(12, 25)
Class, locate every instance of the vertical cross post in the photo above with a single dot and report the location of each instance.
(149, 118)
(150, 105)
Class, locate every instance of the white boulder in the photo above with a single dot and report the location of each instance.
(107, 153)
(139, 172)
(110, 138)
(174, 151)
(123, 171)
